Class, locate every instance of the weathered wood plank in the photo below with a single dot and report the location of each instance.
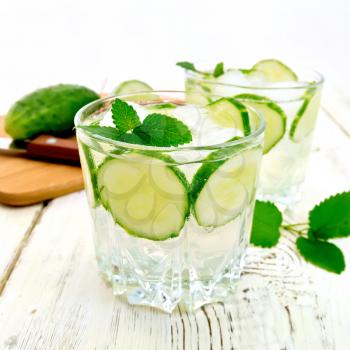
(56, 300)
(15, 228)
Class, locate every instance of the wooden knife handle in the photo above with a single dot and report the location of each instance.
(52, 147)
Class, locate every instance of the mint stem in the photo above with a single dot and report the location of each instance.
(291, 228)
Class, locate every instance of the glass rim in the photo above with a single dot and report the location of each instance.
(319, 80)
(245, 139)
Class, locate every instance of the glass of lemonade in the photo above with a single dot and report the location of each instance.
(171, 224)
(289, 102)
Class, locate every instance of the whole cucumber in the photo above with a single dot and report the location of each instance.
(51, 109)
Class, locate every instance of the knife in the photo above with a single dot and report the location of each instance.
(45, 147)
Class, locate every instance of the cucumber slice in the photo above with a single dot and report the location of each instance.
(275, 71)
(145, 196)
(274, 116)
(197, 92)
(131, 86)
(222, 188)
(230, 113)
(305, 120)
(90, 178)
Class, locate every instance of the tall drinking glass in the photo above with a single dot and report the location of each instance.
(290, 111)
(171, 224)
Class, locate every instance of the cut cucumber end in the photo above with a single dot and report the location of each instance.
(305, 119)
(275, 71)
(274, 116)
(145, 196)
(230, 113)
(222, 189)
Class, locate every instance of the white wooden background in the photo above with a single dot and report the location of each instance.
(51, 296)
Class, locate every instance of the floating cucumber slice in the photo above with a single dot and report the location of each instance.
(230, 113)
(274, 116)
(163, 108)
(222, 188)
(275, 71)
(90, 178)
(197, 92)
(305, 120)
(131, 86)
(147, 197)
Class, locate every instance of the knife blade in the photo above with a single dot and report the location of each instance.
(44, 147)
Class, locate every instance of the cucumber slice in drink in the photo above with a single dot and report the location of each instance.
(305, 119)
(222, 188)
(90, 178)
(275, 71)
(230, 113)
(145, 196)
(131, 86)
(197, 92)
(274, 116)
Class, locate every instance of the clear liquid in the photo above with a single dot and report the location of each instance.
(199, 266)
(283, 167)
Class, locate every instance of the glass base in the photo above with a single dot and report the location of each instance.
(189, 293)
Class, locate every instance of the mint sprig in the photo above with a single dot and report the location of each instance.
(162, 130)
(124, 116)
(104, 131)
(157, 129)
(217, 72)
(266, 225)
(327, 220)
(331, 218)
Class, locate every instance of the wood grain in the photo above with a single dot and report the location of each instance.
(55, 299)
(26, 181)
(15, 229)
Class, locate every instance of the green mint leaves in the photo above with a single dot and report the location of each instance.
(323, 254)
(161, 130)
(187, 65)
(327, 220)
(104, 131)
(157, 129)
(266, 225)
(124, 116)
(217, 72)
(331, 218)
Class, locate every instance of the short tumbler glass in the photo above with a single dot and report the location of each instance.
(290, 110)
(171, 224)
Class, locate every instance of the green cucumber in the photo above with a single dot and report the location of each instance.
(131, 87)
(305, 120)
(274, 116)
(230, 113)
(275, 71)
(145, 195)
(222, 188)
(48, 110)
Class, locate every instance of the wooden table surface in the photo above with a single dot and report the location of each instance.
(51, 296)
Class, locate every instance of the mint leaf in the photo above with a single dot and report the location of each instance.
(124, 116)
(187, 65)
(331, 218)
(267, 220)
(131, 138)
(219, 69)
(105, 131)
(323, 254)
(163, 131)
